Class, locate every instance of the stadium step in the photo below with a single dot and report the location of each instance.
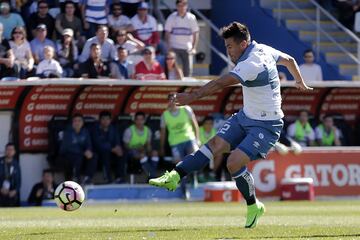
(348, 69)
(285, 13)
(201, 69)
(270, 4)
(332, 47)
(310, 36)
(338, 58)
(298, 25)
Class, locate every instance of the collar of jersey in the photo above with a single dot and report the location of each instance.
(247, 51)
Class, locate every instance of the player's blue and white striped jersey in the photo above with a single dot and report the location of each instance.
(256, 70)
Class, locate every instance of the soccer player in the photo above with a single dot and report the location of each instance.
(250, 133)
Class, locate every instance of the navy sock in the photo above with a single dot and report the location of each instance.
(195, 161)
(245, 183)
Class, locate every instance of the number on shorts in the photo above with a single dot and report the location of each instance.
(224, 128)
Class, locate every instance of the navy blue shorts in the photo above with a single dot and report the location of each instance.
(254, 137)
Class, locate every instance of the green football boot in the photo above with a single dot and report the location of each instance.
(169, 180)
(254, 212)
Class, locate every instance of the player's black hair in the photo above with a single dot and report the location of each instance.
(139, 114)
(236, 30)
(104, 114)
(308, 51)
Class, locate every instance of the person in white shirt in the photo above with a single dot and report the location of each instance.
(309, 70)
(49, 68)
(182, 34)
(118, 21)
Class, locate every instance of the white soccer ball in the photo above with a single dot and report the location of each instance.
(69, 196)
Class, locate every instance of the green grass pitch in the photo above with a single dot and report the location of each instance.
(283, 220)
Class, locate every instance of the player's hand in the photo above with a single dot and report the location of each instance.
(184, 98)
(302, 86)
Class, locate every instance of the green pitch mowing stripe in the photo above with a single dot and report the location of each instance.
(283, 220)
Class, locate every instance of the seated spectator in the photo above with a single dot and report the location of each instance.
(327, 134)
(94, 67)
(93, 14)
(117, 21)
(107, 146)
(49, 67)
(10, 20)
(309, 70)
(172, 70)
(24, 60)
(139, 153)
(10, 177)
(67, 53)
(42, 16)
(75, 148)
(108, 52)
(38, 43)
(68, 19)
(301, 131)
(145, 26)
(149, 68)
(127, 40)
(122, 68)
(7, 58)
(43, 190)
(182, 35)
(346, 10)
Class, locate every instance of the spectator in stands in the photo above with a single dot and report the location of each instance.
(145, 26)
(346, 10)
(172, 70)
(75, 148)
(7, 58)
(122, 68)
(24, 60)
(107, 146)
(68, 19)
(183, 132)
(117, 21)
(182, 34)
(9, 20)
(127, 40)
(93, 14)
(10, 177)
(67, 53)
(149, 68)
(301, 131)
(43, 190)
(139, 152)
(38, 43)
(327, 134)
(94, 67)
(130, 6)
(42, 16)
(309, 70)
(49, 67)
(108, 51)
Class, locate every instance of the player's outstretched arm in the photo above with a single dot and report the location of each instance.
(207, 89)
(291, 64)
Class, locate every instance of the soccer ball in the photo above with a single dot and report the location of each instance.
(69, 196)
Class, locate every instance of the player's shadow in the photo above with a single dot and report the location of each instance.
(295, 237)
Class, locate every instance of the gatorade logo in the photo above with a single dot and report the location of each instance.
(227, 196)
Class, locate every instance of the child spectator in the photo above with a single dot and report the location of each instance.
(49, 67)
(149, 68)
(123, 68)
(67, 53)
(172, 70)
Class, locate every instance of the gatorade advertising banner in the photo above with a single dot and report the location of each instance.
(335, 173)
(39, 106)
(94, 99)
(344, 101)
(151, 100)
(9, 96)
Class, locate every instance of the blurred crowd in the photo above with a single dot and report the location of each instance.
(95, 39)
